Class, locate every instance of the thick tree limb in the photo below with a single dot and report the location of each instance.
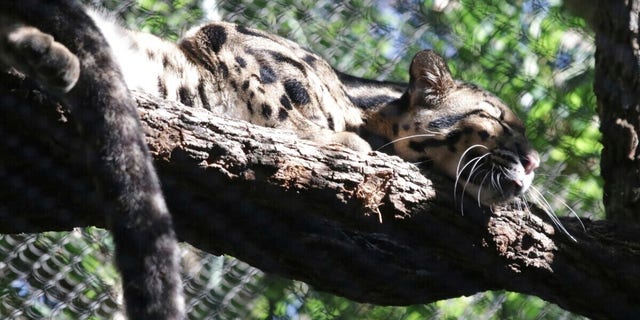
(617, 87)
(367, 227)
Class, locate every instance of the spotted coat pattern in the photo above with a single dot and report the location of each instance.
(248, 74)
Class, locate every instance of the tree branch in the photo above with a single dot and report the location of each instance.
(367, 227)
(617, 87)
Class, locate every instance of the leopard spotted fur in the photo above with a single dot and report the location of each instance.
(452, 126)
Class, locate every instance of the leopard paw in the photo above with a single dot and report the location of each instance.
(351, 140)
(346, 138)
(39, 56)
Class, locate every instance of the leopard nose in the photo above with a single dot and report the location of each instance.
(531, 161)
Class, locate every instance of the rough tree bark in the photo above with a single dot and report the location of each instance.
(617, 87)
(367, 227)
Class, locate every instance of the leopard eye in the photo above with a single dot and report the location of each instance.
(486, 105)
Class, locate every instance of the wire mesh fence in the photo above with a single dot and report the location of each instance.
(530, 53)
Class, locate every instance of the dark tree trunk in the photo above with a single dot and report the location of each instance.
(617, 87)
(367, 227)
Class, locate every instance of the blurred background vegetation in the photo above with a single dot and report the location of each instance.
(532, 54)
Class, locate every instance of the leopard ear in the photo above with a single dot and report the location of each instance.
(430, 78)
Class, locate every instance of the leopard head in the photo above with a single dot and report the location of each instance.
(463, 131)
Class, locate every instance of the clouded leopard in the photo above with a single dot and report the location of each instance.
(251, 75)
(451, 126)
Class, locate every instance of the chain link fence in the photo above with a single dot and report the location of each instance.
(70, 275)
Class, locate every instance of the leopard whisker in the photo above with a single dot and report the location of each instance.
(465, 153)
(472, 171)
(419, 162)
(480, 186)
(459, 173)
(573, 213)
(527, 198)
(546, 207)
(498, 185)
(469, 177)
(519, 205)
(525, 204)
(422, 135)
(494, 175)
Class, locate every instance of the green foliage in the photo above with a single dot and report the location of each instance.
(165, 18)
(54, 269)
(286, 299)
